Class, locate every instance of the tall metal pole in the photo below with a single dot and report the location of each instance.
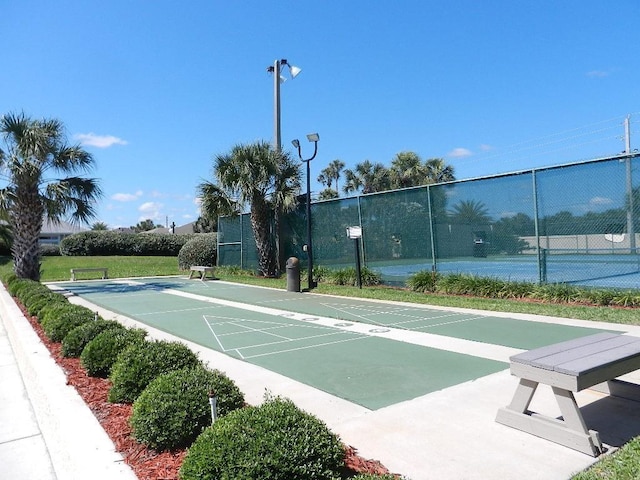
(309, 245)
(276, 106)
(631, 231)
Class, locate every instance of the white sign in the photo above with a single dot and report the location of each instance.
(354, 232)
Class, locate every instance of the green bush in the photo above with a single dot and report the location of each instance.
(99, 355)
(174, 408)
(59, 319)
(49, 250)
(423, 281)
(348, 276)
(16, 285)
(116, 243)
(75, 341)
(275, 441)
(37, 303)
(141, 362)
(200, 250)
(26, 290)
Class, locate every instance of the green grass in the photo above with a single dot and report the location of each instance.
(58, 268)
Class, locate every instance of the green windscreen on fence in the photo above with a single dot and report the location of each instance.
(574, 223)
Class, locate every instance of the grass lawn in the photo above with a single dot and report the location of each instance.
(624, 464)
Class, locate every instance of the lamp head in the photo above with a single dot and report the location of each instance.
(296, 143)
(295, 71)
(313, 137)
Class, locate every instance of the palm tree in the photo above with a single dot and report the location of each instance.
(471, 212)
(408, 170)
(367, 177)
(36, 151)
(265, 179)
(99, 226)
(438, 172)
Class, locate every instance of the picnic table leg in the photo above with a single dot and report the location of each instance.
(575, 421)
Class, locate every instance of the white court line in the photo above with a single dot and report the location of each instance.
(441, 342)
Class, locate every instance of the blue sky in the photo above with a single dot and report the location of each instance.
(154, 89)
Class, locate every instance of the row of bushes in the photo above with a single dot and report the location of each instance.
(466, 284)
(170, 387)
(117, 243)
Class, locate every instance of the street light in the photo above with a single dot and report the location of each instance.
(312, 137)
(277, 80)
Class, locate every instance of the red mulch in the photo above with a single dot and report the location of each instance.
(114, 418)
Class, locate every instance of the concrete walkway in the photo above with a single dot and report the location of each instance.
(48, 432)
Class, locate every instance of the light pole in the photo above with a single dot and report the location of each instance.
(277, 80)
(312, 137)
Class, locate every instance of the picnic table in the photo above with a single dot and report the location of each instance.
(594, 361)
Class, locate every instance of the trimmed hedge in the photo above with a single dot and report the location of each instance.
(94, 242)
(75, 341)
(200, 250)
(99, 355)
(141, 362)
(174, 408)
(275, 441)
(37, 303)
(59, 319)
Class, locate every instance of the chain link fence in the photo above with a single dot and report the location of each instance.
(573, 223)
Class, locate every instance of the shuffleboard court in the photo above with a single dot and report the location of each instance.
(334, 344)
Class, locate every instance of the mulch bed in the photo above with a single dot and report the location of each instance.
(146, 463)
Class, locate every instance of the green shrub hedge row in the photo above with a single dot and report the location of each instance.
(74, 342)
(466, 284)
(99, 355)
(116, 243)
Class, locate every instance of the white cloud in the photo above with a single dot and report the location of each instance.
(600, 201)
(460, 152)
(486, 148)
(100, 141)
(152, 210)
(126, 197)
(598, 74)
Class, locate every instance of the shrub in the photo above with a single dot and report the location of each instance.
(58, 320)
(200, 250)
(75, 341)
(15, 286)
(423, 281)
(273, 441)
(348, 276)
(99, 355)
(49, 250)
(38, 302)
(174, 408)
(118, 243)
(141, 362)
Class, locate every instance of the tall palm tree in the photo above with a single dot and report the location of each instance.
(367, 177)
(35, 152)
(265, 179)
(437, 171)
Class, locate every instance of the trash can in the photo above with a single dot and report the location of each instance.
(293, 275)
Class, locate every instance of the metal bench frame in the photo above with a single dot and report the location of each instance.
(592, 361)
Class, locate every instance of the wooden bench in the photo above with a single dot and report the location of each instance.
(201, 271)
(93, 269)
(588, 362)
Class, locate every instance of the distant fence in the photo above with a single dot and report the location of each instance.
(573, 223)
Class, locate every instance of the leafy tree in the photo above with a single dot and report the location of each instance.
(367, 178)
(408, 170)
(470, 212)
(99, 226)
(328, 194)
(331, 173)
(35, 152)
(145, 226)
(267, 180)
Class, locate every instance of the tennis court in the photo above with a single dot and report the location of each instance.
(374, 354)
(558, 266)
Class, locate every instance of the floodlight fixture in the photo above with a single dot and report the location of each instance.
(277, 80)
(313, 137)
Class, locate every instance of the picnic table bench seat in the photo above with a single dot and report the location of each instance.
(201, 271)
(594, 361)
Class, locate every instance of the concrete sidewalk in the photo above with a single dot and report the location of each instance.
(448, 434)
